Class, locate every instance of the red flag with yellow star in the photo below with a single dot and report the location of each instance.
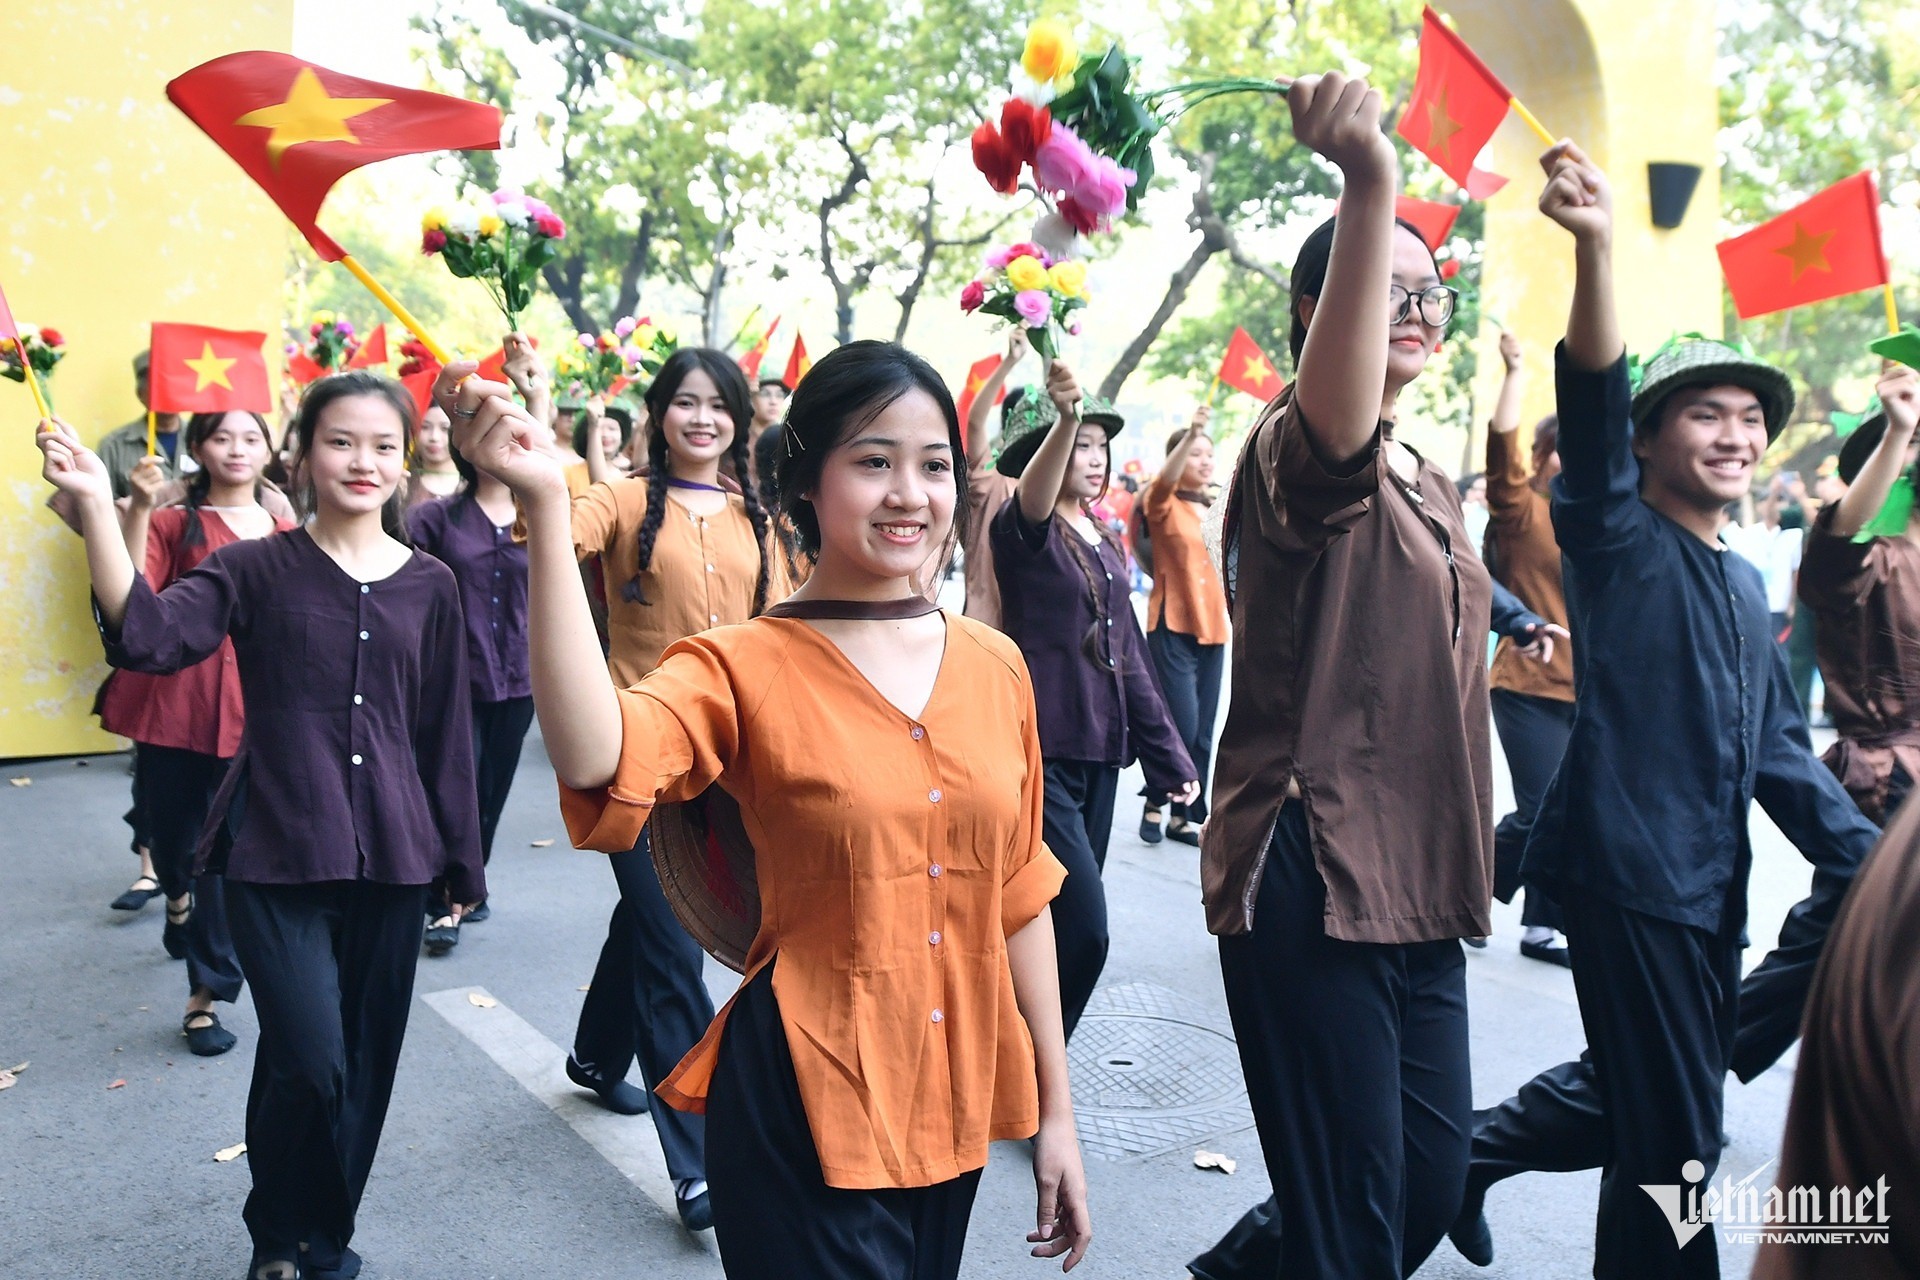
(977, 376)
(1246, 368)
(1821, 249)
(195, 369)
(373, 351)
(798, 363)
(297, 128)
(1457, 104)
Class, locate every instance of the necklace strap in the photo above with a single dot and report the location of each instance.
(675, 482)
(859, 610)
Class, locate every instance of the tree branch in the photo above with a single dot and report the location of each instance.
(1215, 237)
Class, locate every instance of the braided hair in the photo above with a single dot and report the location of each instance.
(732, 386)
(199, 428)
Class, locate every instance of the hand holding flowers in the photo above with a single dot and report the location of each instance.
(504, 246)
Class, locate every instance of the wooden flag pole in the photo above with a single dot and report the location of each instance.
(46, 412)
(394, 305)
(1893, 312)
(153, 439)
(1212, 389)
(1527, 118)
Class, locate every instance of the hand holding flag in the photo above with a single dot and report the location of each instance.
(1456, 106)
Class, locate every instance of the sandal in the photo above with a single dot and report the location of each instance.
(135, 897)
(210, 1039)
(174, 936)
(443, 935)
(1183, 831)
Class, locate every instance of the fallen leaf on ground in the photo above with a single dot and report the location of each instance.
(543, 844)
(8, 1079)
(21, 782)
(481, 1000)
(118, 1084)
(19, 1069)
(233, 1152)
(587, 987)
(1214, 1160)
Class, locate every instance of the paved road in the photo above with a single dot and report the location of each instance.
(492, 1167)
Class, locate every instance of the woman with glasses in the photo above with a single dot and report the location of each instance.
(1065, 600)
(1350, 846)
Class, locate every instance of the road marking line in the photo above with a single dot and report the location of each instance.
(628, 1143)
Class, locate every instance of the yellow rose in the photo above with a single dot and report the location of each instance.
(1070, 278)
(1050, 55)
(643, 337)
(1025, 273)
(490, 224)
(436, 220)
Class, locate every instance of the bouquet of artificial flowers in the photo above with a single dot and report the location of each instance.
(504, 247)
(603, 364)
(331, 341)
(1026, 285)
(45, 348)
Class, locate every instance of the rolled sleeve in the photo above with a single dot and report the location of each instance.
(1308, 502)
(679, 731)
(596, 520)
(1013, 537)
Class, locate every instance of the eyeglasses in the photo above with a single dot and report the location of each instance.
(1436, 303)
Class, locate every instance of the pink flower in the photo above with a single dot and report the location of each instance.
(625, 325)
(504, 195)
(549, 225)
(1077, 216)
(1073, 330)
(315, 330)
(972, 296)
(433, 242)
(1028, 249)
(1063, 162)
(997, 259)
(632, 354)
(1103, 192)
(344, 328)
(1035, 307)
(588, 341)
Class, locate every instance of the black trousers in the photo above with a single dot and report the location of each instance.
(647, 1001)
(1533, 733)
(332, 971)
(499, 729)
(1659, 1001)
(179, 788)
(774, 1215)
(1190, 680)
(136, 816)
(1078, 820)
(1356, 1063)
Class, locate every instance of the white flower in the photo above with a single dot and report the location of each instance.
(1025, 87)
(463, 221)
(1057, 236)
(514, 213)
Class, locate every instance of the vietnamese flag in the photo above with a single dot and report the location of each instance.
(1434, 219)
(420, 387)
(297, 128)
(976, 379)
(1456, 106)
(750, 362)
(798, 363)
(1246, 368)
(373, 351)
(1821, 249)
(195, 369)
(303, 368)
(8, 329)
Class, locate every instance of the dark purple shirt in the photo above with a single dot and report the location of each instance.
(1097, 699)
(357, 763)
(491, 569)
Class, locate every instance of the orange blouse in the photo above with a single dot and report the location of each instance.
(896, 856)
(703, 572)
(1187, 595)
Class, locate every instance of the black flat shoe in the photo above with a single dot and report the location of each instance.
(615, 1095)
(1550, 952)
(442, 936)
(1472, 1236)
(1150, 831)
(1478, 944)
(696, 1212)
(210, 1039)
(478, 914)
(135, 897)
(349, 1268)
(1183, 833)
(174, 936)
(276, 1269)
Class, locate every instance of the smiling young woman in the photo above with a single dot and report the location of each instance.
(900, 1010)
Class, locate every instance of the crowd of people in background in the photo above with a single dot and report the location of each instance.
(723, 608)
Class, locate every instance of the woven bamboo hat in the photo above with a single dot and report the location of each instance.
(1702, 362)
(705, 861)
(1027, 425)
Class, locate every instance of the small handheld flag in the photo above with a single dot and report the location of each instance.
(373, 351)
(1457, 104)
(798, 363)
(1822, 248)
(1246, 368)
(977, 376)
(196, 369)
(750, 362)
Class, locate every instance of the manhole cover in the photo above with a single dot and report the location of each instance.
(1151, 1073)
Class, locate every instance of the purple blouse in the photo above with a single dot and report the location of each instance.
(491, 569)
(357, 763)
(1097, 699)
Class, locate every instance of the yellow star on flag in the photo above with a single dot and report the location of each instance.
(210, 370)
(308, 115)
(1808, 252)
(1441, 126)
(974, 383)
(1258, 370)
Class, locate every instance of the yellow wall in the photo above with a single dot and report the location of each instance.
(1632, 81)
(114, 212)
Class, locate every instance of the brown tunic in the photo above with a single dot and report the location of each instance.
(1359, 672)
(1527, 560)
(1855, 1114)
(1865, 598)
(987, 492)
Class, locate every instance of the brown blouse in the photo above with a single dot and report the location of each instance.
(703, 572)
(1865, 598)
(896, 856)
(1187, 596)
(1359, 672)
(1527, 561)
